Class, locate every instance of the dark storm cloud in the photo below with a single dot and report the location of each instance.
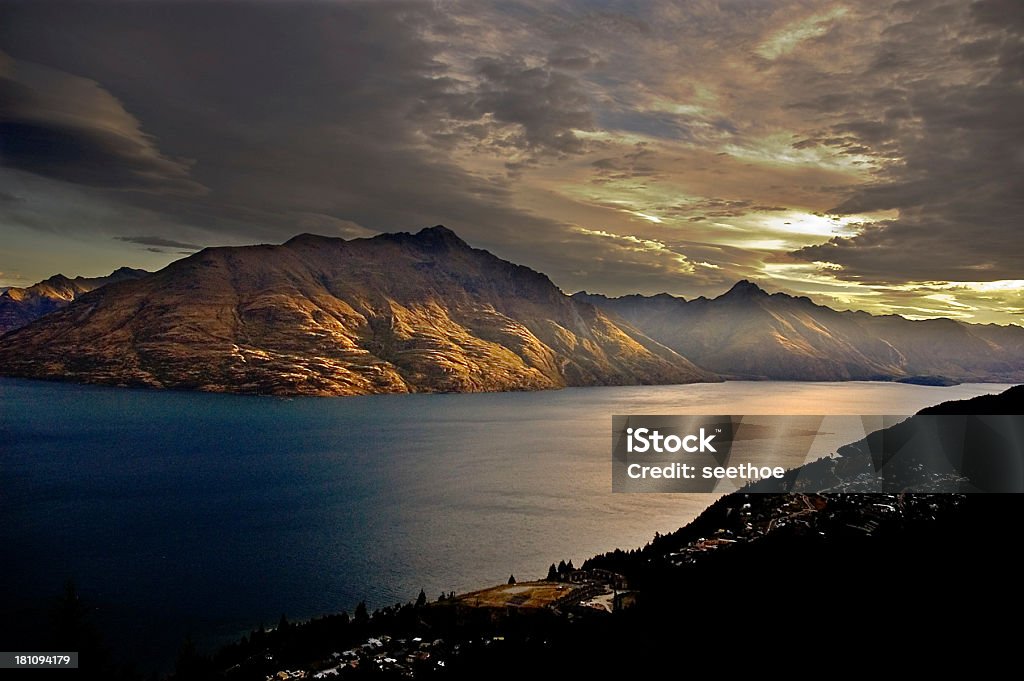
(720, 208)
(654, 124)
(59, 125)
(635, 164)
(572, 58)
(330, 109)
(515, 106)
(952, 136)
(158, 242)
(606, 23)
(998, 12)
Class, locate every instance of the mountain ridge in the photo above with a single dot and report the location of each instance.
(425, 311)
(747, 333)
(327, 316)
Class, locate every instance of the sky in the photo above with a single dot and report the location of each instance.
(869, 155)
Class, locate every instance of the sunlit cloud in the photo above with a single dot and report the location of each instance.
(650, 218)
(780, 149)
(863, 154)
(810, 224)
(1015, 285)
(785, 40)
(682, 264)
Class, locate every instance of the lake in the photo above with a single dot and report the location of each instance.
(208, 514)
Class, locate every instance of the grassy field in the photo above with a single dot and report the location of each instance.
(522, 595)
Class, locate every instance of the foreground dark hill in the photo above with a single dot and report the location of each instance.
(851, 541)
(325, 316)
(20, 306)
(748, 334)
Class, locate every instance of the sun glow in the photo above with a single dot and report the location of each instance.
(988, 286)
(647, 216)
(812, 224)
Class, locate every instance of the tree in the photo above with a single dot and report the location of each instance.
(361, 616)
(552, 574)
(73, 628)
(511, 579)
(70, 619)
(421, 600)
(190, 664)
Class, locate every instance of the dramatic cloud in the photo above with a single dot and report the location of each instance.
(545, 105)
(867, 154)
(59, 125)
(951, 132)
(328, 123)
(157, 242)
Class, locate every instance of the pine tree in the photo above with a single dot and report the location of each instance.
(421, 600)
(511, 579)
(361, 616)
(190, 664)
(552, 574)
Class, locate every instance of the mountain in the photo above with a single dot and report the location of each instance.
(19, 306)
(325, 316)
(748, 334)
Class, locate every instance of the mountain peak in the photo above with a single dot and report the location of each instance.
(439, 235)
(744, 288)
(308, 238)
(127, 271)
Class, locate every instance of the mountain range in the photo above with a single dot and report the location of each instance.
(748, 334)
(19, 306)
(425, 312)
(325, 316)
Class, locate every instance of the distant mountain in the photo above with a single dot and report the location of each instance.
(19, 306)
(748, 334)
(326, 316)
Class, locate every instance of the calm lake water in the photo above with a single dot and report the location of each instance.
(208, 514)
